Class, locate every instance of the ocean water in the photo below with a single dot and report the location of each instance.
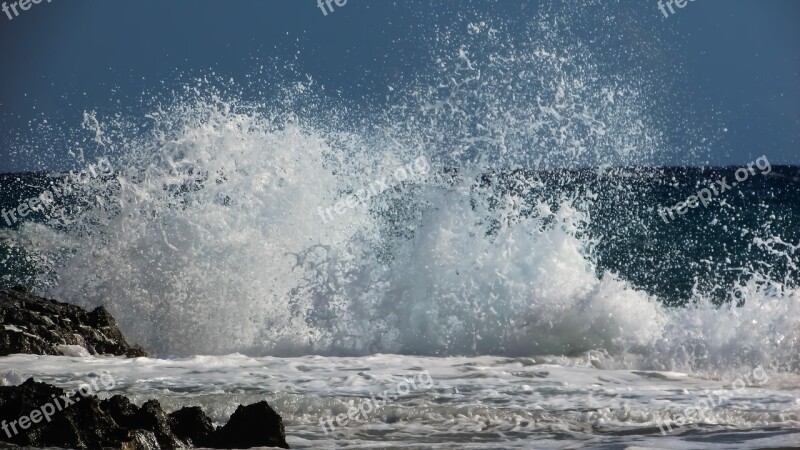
(459, 402)
(505, 242)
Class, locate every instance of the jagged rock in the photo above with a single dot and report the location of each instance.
(191, 425)
(156, 420)
(82, 424)
(89, 422)
(256, 425)
(30, 324)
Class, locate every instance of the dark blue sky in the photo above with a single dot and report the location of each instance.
(736, 63)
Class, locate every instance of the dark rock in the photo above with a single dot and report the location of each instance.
(88, 422)
(82, 424)
(191, 425)
(156, 420)
(30, 324)
(256, 425)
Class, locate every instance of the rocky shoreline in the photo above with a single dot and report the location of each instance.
(36, 414)
(34, 325)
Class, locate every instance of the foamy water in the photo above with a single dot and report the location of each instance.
(211, 242)
(476, 402)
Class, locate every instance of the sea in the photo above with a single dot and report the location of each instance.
(496, 256)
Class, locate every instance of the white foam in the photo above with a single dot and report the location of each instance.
(504, 401)
(209, 239)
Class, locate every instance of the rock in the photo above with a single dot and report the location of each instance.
(191, 425)
(30, 324)
(82, 424)
(256, 425)
(75, 421)
(155, 419)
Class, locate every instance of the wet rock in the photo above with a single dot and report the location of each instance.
(30, 324)
(256, 425)
(191, 425)
(39, 415)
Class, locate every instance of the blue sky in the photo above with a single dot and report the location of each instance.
(739, 60)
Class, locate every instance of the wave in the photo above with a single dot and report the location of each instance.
(209, 238)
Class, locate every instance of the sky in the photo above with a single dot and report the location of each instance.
(733, 65)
